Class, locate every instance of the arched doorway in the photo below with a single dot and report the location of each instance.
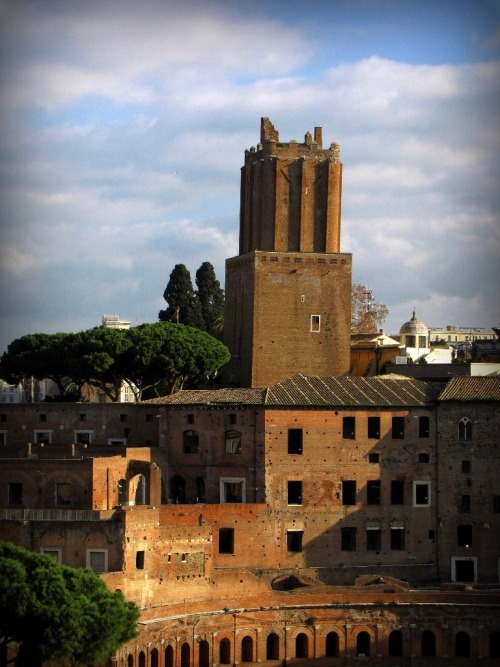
(225, 652)
(154, 658)
(169, 656)
(204, 654)
(396, 643)
(301, 645)
(428, 643)
(185, 655)
(272, 646)
(332, 645)
(462, 645)
(363, 644)
(247, 649)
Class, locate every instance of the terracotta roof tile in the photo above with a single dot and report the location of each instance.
(465, 388)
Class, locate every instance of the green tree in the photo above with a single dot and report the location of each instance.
(165, 356)
(54, 612)
(183, 304)
(367, 315)
(211, 297)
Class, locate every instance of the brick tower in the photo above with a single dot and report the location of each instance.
(288, 292)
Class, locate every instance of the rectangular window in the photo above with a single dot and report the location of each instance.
(123, 417)
(348, 541)
(466, 467)
(232, 490)
(294, 493)
(397, 539)
(295, 441)
(43, 417)
(374, 427)
(3, 417)
(226, 540)
(83, 417)
(149, 419)
(373, 457)
(315, 323)
(421, 494)
(349, 492)
(190, 419)
(423, 457)
(53, 552)
(349, 428)
(3, 437)
(373, 539)
(83, 437)
(15, 493)
(42, 437)
(465, 504)
(139, 560)
(63, 494)
(373, 492)
(233, 442)
(464, 536)
(232, 419)
(423, 427)
(398, 428)
(397, 492)
(496, 504)
(97, 560)
(422, 341)
(294, 540)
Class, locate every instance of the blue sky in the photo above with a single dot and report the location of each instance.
(123, 128)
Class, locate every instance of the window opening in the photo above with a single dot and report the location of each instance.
(466, 467)
(373, 539)
(63, 493)
(423, 426)
(465, 429)
(15, 493)
(349, 428)
(226, 540)
(465, 504)
(428, 643)
(97, 560)
(462, 645)
(190, 442)
(423, 457)
(272, 646)
(373, 492)
(294, 493)
(363, 644)
(374, 427)
(301, 645)
(396, 643)
(397, 539)
(398, 428)
(294, 540)
(139, 560)
(232, 490)
(332, 645)
(295, 438)
(315, 323)
(349, 492)
(225, 651)
(233, 442)
(247, 649)
(421, 494)
(348, 537)
(464, 536)
(397, 492)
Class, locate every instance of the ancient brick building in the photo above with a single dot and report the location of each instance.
(288, 293)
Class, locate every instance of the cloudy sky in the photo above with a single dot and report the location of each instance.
(124, 126)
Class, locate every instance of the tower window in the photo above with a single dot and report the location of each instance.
(295, 441)
(315, 323)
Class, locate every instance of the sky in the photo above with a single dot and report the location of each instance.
(123, 127)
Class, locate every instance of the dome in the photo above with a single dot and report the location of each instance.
(414, 327)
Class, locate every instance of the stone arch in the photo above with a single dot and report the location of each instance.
(363, 643)
(153, 658)
(130, 660)
(142, 659)
(143, 483)
(301, 645)
(331, 638)
(332, 644)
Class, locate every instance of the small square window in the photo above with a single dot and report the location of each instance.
(423, 457)
(97, 560)
(233, 442)
(43, 417)
(226, 540)
(63, 494)
(315, 323)
(295, 440)
(294, 540)
(373, 457)
(123, 417)
(349, 428)
(83, 417)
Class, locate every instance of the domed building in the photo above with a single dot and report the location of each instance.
(414, 335)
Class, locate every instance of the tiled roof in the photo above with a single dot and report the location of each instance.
(467, 388)
(316, 391)
(380, 391)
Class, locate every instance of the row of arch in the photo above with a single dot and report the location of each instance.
(300, 647)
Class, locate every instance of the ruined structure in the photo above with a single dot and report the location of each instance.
(288, 293)
(315, 517)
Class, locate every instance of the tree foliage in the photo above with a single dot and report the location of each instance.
(54, 612)
(183, 305)
(367, 315)
(211, 297)
(152, 359)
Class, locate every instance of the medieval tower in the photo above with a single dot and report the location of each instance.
(288, 292)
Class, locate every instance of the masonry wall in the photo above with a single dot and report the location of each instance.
(327, 461)
(469, 491)
(271, 299)
(63, 424)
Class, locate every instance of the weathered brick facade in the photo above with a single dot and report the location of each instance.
(288, 293)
